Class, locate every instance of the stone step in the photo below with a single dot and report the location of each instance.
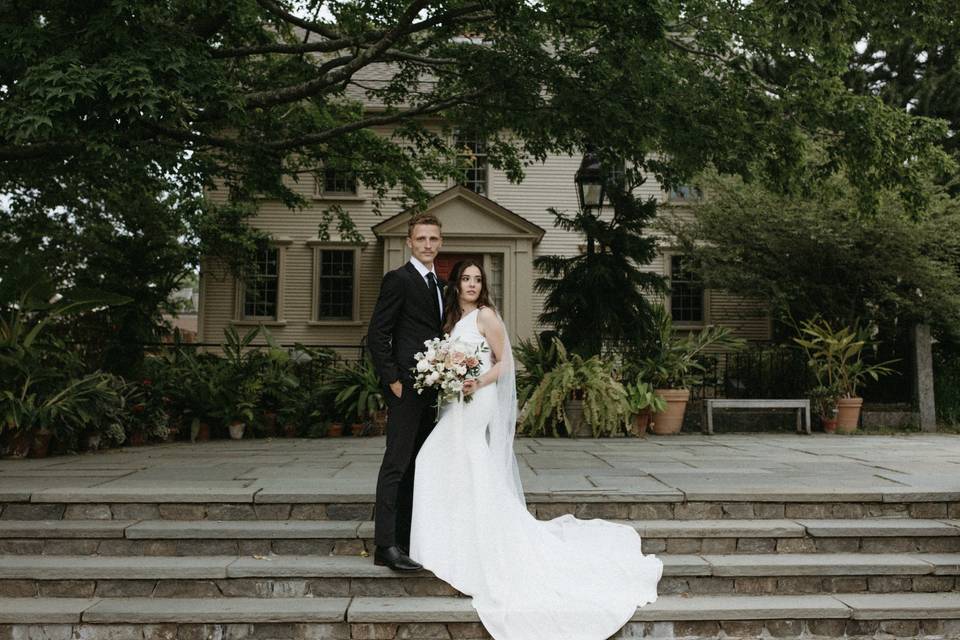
(706, 617)
(299, 503)
(344, 537)
(296, 576)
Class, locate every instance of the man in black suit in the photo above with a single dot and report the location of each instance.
(409, 311)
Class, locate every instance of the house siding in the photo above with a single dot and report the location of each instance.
(548, 184)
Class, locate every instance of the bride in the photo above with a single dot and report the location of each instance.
(562, 579)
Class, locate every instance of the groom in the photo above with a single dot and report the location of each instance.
(409, 311)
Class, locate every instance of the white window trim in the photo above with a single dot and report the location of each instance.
(670, 201)
(280, 244)
(487, 186)
(316, 247)
(319, 193)
(668, 272)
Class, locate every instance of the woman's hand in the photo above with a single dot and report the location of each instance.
(471, 385)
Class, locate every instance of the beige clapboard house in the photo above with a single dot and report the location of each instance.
(322, 292)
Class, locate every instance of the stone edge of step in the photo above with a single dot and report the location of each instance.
(891, 606)
(90, 567)
(326, 529)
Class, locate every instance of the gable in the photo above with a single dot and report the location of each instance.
(465, 213)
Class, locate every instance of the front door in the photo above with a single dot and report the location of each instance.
(444, 262)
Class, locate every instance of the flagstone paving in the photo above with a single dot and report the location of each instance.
(720, 467)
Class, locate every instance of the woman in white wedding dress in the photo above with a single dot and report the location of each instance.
(562, 579)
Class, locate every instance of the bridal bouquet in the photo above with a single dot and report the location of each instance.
(446, 364)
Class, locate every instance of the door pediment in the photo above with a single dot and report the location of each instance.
(465, 213)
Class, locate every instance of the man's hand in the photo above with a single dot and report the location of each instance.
(397, 387)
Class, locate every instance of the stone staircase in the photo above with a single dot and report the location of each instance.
(150, 563)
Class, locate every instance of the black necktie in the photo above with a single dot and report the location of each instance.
(432, 284)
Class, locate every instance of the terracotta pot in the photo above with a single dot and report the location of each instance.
(848, 414)
(670, 420)
(574, 410)
(640, 423)
(335, 430)
(270, 424)
(137, 439)
(356, 429)
(236, 429)
(172, 433)
(380, 422)
(40, 447)
(20, 444)
(290, 431)
(203, 432)
(829, 424)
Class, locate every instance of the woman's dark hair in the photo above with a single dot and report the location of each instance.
(451, 293)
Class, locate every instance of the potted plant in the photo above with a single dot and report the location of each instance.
(644, 402)
(823, 401)
(335, 429)
(579, 396)
(836, 358)
(279, 383)
(238, 397)
(675, 365)
(357, 394)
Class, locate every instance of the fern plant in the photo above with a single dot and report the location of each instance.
(605, 405)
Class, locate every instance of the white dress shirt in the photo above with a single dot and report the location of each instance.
(423, 271)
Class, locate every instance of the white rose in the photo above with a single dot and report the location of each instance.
(432, 378)
(431, 354)
(423, 366)
(462, 370)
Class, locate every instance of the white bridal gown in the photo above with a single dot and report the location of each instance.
(562, 579)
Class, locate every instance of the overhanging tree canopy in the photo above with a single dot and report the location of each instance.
(179, 92)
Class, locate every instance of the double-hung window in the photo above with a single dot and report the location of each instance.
(473, 156)
(686, 293)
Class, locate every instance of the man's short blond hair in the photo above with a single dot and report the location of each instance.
(422, 218)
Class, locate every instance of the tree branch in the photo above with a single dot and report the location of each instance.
(323, 136)
(313, 87)
(17, 153)
(727, 62)
(320, 28)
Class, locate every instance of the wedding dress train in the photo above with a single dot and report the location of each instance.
(562, 579)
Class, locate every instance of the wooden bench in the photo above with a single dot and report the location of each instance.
(802, 407)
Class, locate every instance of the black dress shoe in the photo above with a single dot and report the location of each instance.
(394, 558)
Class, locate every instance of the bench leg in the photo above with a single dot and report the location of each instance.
(806, 411)
(709, 420)
(799, 421)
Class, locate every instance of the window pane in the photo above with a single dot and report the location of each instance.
(260, 290)
(473, 153)
(685, 193)
(335, 291)
(495, 283)
(686, 293)
(337, 181)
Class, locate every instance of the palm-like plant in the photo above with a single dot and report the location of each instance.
(836, 356)
(677, 361)
(357, 389)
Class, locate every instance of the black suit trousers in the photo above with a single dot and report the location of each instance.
(410, 419)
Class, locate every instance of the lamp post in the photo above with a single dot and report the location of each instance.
(591, 188)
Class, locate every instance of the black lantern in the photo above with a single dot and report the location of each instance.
(591, 183)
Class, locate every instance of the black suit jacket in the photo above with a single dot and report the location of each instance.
(405, 317)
